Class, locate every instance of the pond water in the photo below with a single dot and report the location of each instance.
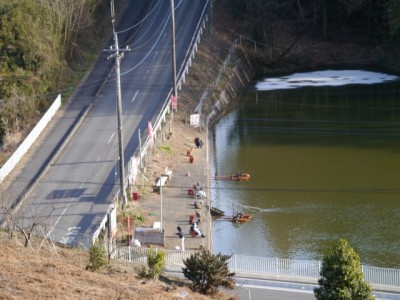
(323, 151)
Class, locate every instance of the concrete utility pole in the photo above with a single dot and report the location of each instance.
(118, 54)
(175, 92)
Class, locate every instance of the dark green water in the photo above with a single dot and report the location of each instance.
(324, 164)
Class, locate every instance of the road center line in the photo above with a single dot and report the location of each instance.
(134, 97)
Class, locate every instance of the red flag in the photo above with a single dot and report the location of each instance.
(174, 102)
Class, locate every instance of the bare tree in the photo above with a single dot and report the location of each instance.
(28, 225)
(69, 17)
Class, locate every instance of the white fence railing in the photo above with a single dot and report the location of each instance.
(384, 276)
(252, 265)
(275, 266)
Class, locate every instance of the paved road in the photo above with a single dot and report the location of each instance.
(78, 187)
(262, 289)
(256, 289)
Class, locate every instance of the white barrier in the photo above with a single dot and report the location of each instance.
(252, 265)
(30, 139)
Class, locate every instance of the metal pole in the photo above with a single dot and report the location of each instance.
(140, 149)
(161, 204)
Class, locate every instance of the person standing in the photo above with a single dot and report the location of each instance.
(182, 237)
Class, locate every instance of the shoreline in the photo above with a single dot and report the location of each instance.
(178, 205)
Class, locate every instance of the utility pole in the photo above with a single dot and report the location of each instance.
(175, 92)
(118, 54)
(211, 16)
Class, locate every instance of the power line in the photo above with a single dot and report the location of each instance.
(238, 188)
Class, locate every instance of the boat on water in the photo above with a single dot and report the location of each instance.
(241, 218)
(240, 177)
(215, 212)
(234, 177)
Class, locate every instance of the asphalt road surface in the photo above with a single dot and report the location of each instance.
(258, 289)
(77, 189)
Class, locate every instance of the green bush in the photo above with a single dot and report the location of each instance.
(341, 276)
(156, 263)
(97, 257)
(207, 272)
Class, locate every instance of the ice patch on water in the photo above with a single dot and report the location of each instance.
(323, 78)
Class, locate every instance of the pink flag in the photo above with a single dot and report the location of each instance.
(150, 131)
(134, 169)
(174, 102)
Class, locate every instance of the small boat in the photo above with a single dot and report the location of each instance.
(240, 177)
(234, 177)
(215, 212)
(241, 218)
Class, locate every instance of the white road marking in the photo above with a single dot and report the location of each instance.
(110, 139)
(134, 97)
(65, 209)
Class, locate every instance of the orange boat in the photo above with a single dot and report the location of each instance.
(234, 177)
(241, 218)
(240, 177)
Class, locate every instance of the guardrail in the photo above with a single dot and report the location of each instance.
(243, 39)
(166, 109)
(259, 266)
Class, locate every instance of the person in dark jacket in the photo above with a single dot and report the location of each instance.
(198, 142)
(182, 237)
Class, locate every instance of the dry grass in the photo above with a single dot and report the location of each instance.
(59, 273)
(11, 140)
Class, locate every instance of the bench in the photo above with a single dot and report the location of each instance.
(161, 182)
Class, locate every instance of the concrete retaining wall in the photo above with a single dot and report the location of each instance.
(237, 80)
(30, 139)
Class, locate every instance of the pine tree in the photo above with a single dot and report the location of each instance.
(156, 261)
(207, 272)
(341, 276)
(97, 257)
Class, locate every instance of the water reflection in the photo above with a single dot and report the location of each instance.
(324, 164)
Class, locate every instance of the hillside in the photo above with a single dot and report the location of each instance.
(51, 272)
